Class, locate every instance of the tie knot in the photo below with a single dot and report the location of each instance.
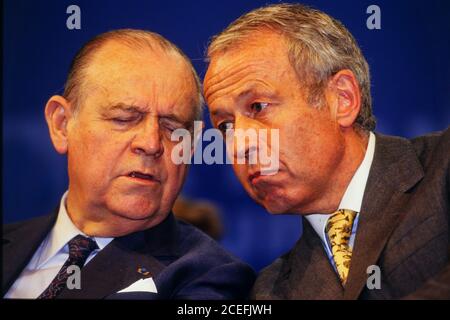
(81, 247)
(341, 221)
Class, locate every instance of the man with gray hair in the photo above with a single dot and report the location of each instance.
(113, 234)
(375, 208)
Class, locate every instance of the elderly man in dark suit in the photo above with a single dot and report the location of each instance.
(126, 92)
(374, 208)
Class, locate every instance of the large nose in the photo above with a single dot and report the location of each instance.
(245, 139)
(148, 139)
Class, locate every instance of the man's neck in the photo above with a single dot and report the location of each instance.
(96, 221)
(354, 152)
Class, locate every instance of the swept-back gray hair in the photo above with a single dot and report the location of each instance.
(318, 47)
(135, 39)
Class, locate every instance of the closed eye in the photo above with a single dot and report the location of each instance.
(121, 120)
(124, 120)
(171, 124)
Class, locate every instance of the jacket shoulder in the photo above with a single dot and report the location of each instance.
(267, 279)
(433, 148)
(195, 244)
(204, 269)
(25, 226)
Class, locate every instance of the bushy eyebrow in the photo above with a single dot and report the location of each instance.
(127, 108)
(256, 88)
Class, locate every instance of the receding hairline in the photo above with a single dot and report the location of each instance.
(133, 39)
(100, 58)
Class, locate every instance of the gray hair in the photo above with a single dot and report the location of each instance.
(136, 39)
(318, 47)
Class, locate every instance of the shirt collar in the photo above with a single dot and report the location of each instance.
(63, 231)
(354, 193)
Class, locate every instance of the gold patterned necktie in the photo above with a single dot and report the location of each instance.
(339, 230)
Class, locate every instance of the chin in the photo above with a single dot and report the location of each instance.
(135, 208)
(280, 201)
(274, 204)
(274, 207)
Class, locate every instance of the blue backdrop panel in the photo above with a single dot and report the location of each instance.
(409, 59)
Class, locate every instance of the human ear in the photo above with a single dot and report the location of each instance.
(346, 96)
(57, 114)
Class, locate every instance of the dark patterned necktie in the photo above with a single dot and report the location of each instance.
(79, 250)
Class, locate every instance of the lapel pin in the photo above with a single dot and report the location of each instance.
(144, 271)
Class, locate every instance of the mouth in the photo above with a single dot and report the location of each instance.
(262, 177)
(253, 176)
(140, 176)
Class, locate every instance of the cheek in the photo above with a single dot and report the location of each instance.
(316, 152)
(310, 146)
(241, 171)
(96, 154)
(173, 177)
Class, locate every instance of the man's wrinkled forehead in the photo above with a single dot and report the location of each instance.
(116, 60)
(143, 75)
(260, 58)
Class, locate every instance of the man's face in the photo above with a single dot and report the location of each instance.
(119, 146)
(254, 86)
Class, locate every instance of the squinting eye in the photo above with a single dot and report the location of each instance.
(258, 106)
(224, 126)
(122, 120)
(170, 125)
(171, 128)
(126, 119)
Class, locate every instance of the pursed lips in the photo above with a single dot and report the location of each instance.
(143, 176)
(255, 176)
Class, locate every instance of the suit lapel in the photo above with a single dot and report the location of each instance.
(114, 268)
(374, 229)
(308, 273)
(117, 265)
(395, 169)
(19, 245)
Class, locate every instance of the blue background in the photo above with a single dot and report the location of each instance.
(409, 59)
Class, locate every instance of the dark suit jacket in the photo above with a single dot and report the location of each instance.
(403, 228)
(184, 263)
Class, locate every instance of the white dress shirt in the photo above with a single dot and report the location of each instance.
(50, 257)
(351, 200)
